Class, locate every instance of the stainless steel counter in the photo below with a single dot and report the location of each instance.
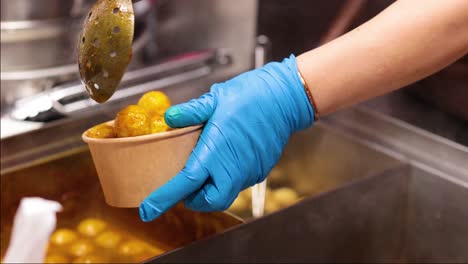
(410, 109)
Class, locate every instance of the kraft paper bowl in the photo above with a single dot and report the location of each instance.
(131, 168)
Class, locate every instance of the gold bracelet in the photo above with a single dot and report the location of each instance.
(309, 95)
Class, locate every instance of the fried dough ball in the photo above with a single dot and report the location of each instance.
(154, 251)
(91, 259)
(101, 131)
(56, 259)
(132, 121)
(63, 236)
(150, 252)
(276, 176)
(108, 239)
(269, 194)
(158, 124)
(285, 196)
(132, 248)
(240, 204)
(271, 206)
(81, 248)
(246, 194)
(155, 103)
(148, 255)
(144, 256)
(91, 227)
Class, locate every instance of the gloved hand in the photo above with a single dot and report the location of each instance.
(249, 119)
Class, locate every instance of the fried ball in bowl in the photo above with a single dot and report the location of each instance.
(101, 131)
(158, 124)
(132, 121)
(155, 103)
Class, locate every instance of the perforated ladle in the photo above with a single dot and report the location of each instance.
(105, 47)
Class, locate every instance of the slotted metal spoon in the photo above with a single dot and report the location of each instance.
(105, 47)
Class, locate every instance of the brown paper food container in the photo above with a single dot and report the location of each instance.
(131, 168)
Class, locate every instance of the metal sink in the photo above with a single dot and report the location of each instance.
(72, 181)
(321, 159)
(402, 215)
(369, 197)
(316, 161)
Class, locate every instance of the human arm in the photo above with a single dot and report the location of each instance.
(249, 119)
(408, 41)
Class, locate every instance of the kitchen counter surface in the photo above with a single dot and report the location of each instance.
(412, 110)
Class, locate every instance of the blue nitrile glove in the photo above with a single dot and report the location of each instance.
(249, 119)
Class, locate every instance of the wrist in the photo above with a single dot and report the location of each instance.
(302, 113)
(309, 94)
